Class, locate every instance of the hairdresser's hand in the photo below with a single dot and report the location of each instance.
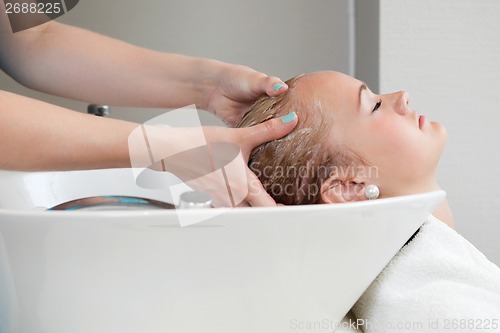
(215, 161)
(243, 186)
(237, 88)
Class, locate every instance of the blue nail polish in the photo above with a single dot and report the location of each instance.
(278, 86)
(289, 118)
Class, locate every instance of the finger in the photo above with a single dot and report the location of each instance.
(243, 204)
(257, 195)
(269, 130)
(271, 85)
(274, 86)
(262, 199)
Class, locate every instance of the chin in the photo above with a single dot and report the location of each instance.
(439, 136)
(440, 130)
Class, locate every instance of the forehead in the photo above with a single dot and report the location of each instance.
(334, 91)
(330, 80)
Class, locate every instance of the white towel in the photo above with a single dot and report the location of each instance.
(438, 282)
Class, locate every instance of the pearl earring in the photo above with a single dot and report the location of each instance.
(372, 192)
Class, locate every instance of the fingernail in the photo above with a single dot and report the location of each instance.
(278, 86)
(289, 118)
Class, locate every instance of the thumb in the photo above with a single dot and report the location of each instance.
(271, 85)
(270, 130)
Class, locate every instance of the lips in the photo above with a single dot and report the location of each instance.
(421, 121)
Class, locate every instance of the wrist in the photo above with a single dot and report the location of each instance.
(149, 145)
(208, 76)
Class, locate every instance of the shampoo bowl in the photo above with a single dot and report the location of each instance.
(272, 269)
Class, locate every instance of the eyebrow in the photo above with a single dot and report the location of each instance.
(361, 88)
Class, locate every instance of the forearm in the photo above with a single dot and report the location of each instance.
(39, 136)
(79, 64)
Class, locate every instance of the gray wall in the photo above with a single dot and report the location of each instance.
(280, 37)
(367, 42)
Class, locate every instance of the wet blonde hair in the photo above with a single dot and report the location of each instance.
(292, 169)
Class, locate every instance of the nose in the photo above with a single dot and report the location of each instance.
(401, 102)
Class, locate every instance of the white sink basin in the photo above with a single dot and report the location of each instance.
(241, 270)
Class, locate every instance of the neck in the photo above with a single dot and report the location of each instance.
(443, 211)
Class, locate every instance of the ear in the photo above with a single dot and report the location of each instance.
(337, 191)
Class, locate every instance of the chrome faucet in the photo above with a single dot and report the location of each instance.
(98, 110)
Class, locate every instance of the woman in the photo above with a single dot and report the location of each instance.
(348, 138)
(351, 144)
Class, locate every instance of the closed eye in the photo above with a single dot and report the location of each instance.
(375, 108)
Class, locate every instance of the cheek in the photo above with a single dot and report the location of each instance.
(392, 135)
(399, 140)
(392, 146)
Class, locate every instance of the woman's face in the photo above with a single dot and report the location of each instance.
(400, 144)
